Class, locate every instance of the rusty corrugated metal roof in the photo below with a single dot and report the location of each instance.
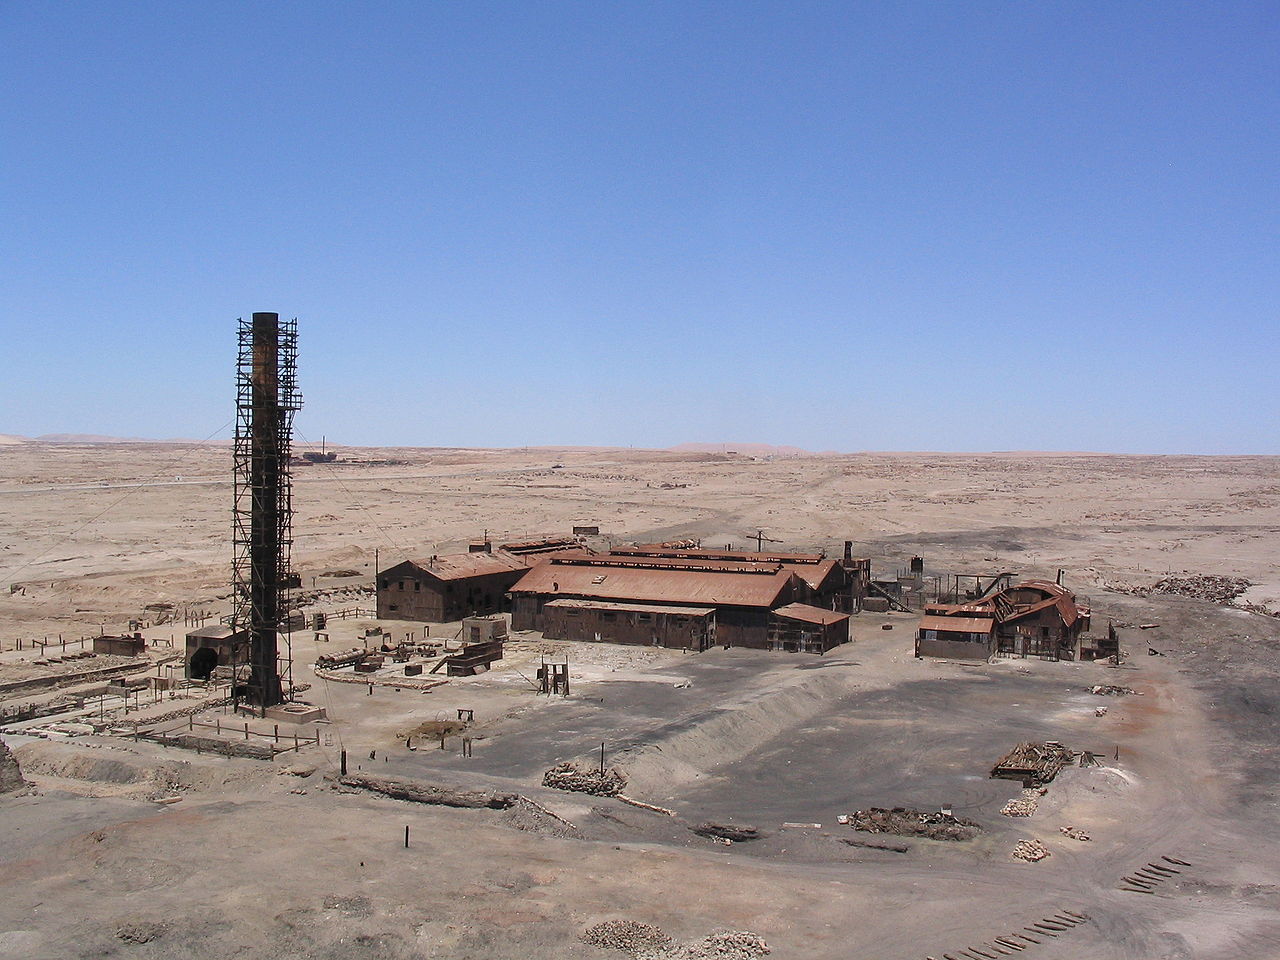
(460, 566)
(809, 614)
(662, 550)
(1066, 605)
(542, 545)
(655, 584)
(631, 607)
(957, 624)
(814, 569)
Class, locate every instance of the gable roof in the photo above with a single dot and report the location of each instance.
(813, 568)
(957, 624)
(656, 584)
(459, 566)
(807, 614)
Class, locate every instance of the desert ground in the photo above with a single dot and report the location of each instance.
(125, 847)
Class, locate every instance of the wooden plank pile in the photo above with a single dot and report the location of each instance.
(1033, 763)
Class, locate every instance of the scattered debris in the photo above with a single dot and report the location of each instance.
(1025, 804)
(570, 776)
(906, 822)
(1075, 833)
(645, 806)
(626, 935)
(11, 780)
(139, 931)
(727, 831)
(1112, 690)
(529, 816)
(1100, 712)
(803, 826)
(1033, 762)
(726, 945)
(1215, 589)
(1030, 851)
(892, 847)
(1147, 626)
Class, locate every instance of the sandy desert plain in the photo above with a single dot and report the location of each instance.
(127, 848)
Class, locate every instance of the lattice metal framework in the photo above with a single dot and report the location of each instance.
(267, 398)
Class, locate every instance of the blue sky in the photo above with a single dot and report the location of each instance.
(836, 225)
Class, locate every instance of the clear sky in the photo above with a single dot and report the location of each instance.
(849, 226)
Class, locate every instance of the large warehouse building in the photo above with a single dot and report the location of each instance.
(696, 597)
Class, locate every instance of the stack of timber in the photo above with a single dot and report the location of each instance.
(1033, 762)
(471, 659)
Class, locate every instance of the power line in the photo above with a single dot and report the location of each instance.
(165, 468)
(359, 503)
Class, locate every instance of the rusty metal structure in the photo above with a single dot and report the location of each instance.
(267, 398)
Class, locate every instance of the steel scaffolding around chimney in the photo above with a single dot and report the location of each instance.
(267, 397)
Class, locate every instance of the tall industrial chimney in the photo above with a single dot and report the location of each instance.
(267, 399)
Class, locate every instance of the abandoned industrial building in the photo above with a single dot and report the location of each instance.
(800, 628)
(450, 587)
(740, 592)
(1037, 618)
(822, 580)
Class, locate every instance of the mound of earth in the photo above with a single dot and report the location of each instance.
(906, 822)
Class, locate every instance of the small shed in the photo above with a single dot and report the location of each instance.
(120, 646)
(216, 645)
(800, 628)
(956, 637)
(481, 629)
(649, 624)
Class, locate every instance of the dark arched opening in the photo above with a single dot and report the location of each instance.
(202, 663)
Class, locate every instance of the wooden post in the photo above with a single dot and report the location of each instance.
(406, 836)
(275, 732)
(342, 763)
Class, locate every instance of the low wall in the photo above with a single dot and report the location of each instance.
(953, 650)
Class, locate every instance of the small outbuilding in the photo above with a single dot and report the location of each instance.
(955, 637)
(133, 646)
(213, 646)
(800, 628)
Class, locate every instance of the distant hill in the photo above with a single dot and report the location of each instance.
(747, 449)
(97, 438)
(10, 440)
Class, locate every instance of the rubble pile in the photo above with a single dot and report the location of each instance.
(1209, 587)
(1075, 833)
(570, 776)
(628, 936)
(11, 780)
(1029, 850)
(1033, 762)
(1111, 690)
(727, 831)
(906, 822)
(726, 945)
(530, 817)
(1025, 804)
